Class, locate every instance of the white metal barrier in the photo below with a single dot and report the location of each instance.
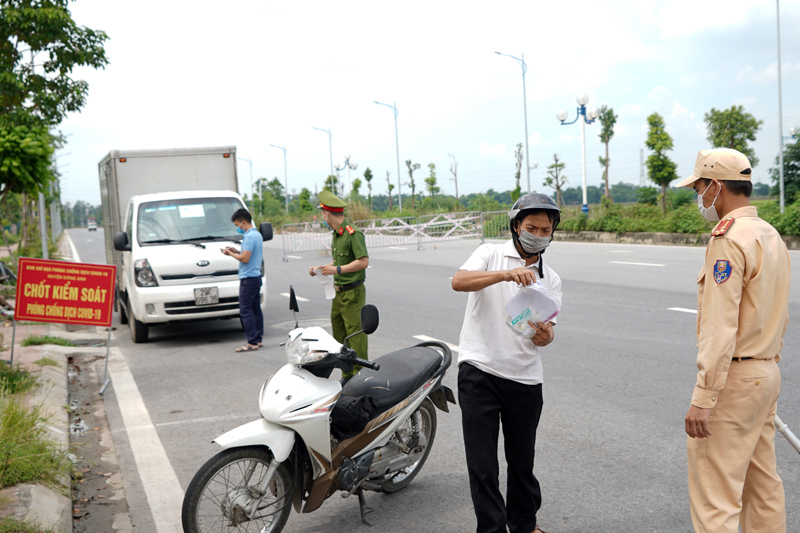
(399, 231)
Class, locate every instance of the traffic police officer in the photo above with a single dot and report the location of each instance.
(348, 268)
(742, 315)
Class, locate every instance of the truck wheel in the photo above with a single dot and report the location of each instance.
(139, 330)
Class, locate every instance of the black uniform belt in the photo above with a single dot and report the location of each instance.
(340, 288)
(748, 358)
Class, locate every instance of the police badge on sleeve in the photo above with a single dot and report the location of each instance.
(722, 271)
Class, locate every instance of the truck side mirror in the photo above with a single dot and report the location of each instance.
(121, 243)
(266, 231)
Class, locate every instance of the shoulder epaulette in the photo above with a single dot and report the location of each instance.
(723, 227)
(350, 230)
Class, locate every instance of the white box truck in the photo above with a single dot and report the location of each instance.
(166, 217)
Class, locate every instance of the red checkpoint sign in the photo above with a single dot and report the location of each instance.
(67, 293)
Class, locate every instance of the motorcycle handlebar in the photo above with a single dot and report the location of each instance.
(368, 364)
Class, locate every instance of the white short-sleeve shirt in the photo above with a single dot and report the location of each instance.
(486, 341)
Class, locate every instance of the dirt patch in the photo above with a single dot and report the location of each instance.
(98, 498)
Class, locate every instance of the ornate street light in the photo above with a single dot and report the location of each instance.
(589, 116)
(349, 166)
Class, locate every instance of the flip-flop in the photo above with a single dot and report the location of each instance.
(246, 348)
(260, 344)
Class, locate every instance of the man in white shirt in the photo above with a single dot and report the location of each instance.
(500, 372)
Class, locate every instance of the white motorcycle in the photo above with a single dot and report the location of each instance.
(316, 436)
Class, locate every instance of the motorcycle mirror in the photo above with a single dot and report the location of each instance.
(293, 305)
(369, 319)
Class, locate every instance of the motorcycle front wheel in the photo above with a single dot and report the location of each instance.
(226, 483)
(400, 479)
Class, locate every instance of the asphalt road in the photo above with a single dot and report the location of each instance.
(618, 381)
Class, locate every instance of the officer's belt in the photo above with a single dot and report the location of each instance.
(340, 288)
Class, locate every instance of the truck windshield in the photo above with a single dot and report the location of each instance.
(187, 219)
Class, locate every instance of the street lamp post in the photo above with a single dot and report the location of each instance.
(397, 151)
(330, 144)
(349, 166)
(525, 111)
(252, 201)
(780, 112)
(588, 118)
(285, 178)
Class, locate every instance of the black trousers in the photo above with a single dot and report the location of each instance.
(486, 401)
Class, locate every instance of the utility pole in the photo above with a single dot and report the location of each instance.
(454, 170)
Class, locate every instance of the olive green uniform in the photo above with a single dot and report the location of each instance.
(348, 246)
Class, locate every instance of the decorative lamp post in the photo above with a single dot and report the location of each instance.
(525, 112)
(397, 151)
(588, 116)
(285, 179)
(349, 166)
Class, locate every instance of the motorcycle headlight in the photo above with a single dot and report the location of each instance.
(299, 353)
(296, 349)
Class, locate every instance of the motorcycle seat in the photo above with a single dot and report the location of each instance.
(402, 372)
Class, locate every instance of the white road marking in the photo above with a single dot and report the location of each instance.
(299, 298)
(640, 264)
(160, 484)
(294, 257)
(682, 310)
(620, 251)
(397, 248)
(75, 256)
(425, 338)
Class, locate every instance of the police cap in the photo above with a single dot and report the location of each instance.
(330, 202)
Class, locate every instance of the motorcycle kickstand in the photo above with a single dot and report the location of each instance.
(362, 504)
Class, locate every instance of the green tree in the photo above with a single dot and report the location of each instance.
(330, 184)
(607, 121)
(517, 192)
(555, 179)
(733, 128)
(301, 204)
(660, 169)
(275, 188)
(791, 173)
(355, 188)
(430, 181)
(368, 179)
(411, 168)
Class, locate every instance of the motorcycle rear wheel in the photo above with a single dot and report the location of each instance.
(400, 479)
(224, 477)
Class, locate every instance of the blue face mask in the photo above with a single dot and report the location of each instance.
(239, 230)
(326, 224)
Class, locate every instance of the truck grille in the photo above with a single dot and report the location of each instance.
(217, 274)
(188, 307)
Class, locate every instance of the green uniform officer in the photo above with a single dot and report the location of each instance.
(350, 261)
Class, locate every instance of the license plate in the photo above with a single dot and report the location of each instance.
(206, 296)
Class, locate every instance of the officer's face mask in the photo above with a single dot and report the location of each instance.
(239, 230)
(709, 213)
(532, 244)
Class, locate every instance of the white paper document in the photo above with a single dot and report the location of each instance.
(327, 283)
(531, 304)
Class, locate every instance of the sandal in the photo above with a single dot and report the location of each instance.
(247, 348)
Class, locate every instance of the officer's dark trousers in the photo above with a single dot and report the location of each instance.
(250, 309)
(486, 401)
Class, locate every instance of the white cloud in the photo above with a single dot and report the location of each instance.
(678, 110)
(566, 137)
(768, 74)
(659, 92)
(498, 150)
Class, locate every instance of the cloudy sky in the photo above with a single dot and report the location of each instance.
(254, 73)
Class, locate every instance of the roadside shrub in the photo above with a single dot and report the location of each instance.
(14, 380)
(688, 219)
(12, 525)
(26, 455)
(788, 223)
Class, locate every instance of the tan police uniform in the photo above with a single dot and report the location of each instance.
(742, 315)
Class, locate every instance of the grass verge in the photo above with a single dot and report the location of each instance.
(12, 525)
(35, 340)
